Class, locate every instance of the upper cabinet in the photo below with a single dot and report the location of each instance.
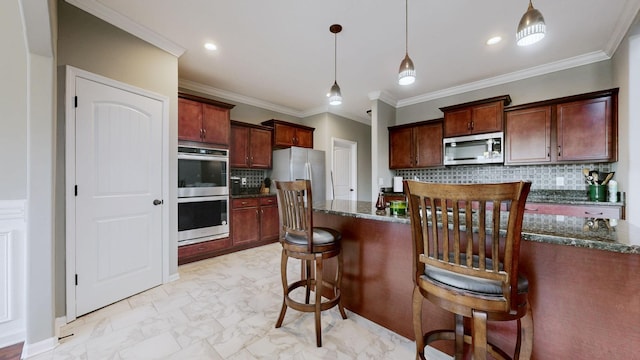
(416, 145)
(286, 134)
(203, 120)
(580, 128)
(477, 117)
(250, 146)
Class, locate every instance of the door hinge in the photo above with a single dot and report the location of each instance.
(76, 279)
(76, 190)
(75, 101)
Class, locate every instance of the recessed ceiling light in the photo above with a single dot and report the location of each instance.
(494, 40)
(210, 46)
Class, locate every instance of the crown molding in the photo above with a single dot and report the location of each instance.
(629, 13)
(383, 96)
(229, 95)
(507, 78)
(116, 19)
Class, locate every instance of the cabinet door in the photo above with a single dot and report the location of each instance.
(283, 135)
(528, 136)
(457, 122)
(304, 138)
(260, 145)
(428, 144)
(269, 222)
(239, 152)
(400, 148)
(189, 120)
(487, 118)
(245, 225)
(586, 130)
(215, 124)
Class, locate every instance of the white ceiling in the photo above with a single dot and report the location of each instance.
(279, 54)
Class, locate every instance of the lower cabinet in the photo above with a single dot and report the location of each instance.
(254, 220)
(203, 250)
(586, 211)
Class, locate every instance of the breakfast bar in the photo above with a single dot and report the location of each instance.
(583, 275)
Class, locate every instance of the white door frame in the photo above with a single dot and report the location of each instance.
(70, 169)
(337, 142)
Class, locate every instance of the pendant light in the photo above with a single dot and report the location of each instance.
(335, 97)
(407, 73)
(531, 28)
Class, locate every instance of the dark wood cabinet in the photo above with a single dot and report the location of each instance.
(203, 250)
(586, 130)
(269, 218)
(579, 128)
(528, 136)
(203, 120)
(250, 146)
(477, 117)
(416, 145)
(585, 211)
(245, 221)
(254, 220)
(286, 134)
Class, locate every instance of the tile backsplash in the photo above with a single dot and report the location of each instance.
(254, 177)
(541, 176)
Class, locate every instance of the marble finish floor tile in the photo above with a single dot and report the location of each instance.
(223, 308)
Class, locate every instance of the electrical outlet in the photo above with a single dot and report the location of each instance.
(243, 181)
(559, 181)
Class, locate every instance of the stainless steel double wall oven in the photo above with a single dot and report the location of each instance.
(203, 194)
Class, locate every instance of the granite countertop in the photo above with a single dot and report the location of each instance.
(609, 235)
(569, 197)
(251, 195)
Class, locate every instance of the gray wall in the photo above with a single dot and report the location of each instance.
(586, 78)
(91, 44)
(244, 112)
(627, 77)
(330, 126)
(13, 103)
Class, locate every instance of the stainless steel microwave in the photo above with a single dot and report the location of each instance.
(474, 149)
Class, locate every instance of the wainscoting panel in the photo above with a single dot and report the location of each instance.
(12, 272)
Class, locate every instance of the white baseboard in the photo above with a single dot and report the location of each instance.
(34, 349)
(174, 277)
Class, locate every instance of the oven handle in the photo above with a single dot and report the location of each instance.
(203, 198)
(182, 156)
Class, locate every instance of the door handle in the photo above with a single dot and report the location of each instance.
(157, 202)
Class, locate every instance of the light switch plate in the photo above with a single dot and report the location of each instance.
(559, 181)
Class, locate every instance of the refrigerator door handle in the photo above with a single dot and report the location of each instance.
(307, 167)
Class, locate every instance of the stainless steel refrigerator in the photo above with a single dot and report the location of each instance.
(297, 163)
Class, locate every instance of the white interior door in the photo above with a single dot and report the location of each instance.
(118, 174)
(344, 170)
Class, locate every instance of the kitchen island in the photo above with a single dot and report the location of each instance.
(584, 283)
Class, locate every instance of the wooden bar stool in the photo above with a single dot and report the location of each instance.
(467, 263)
(300, 240)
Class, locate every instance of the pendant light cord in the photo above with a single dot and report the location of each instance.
(335, 57)
(406, 27)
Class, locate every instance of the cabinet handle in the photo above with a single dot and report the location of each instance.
(548, 151)
(472, 125)
(526, 209)
(204, 133)
(257, 215)
(590, 213)
(559, 150)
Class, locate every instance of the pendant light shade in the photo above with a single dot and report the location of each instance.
(531, 28)
(335, 96)
(407, 72)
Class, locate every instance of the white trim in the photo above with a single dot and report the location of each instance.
(337, 142)
(232, 96)
(70, 84)
(13, 228)
(40, 347)
(629, 13)
(507, 78)
(115, 18)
